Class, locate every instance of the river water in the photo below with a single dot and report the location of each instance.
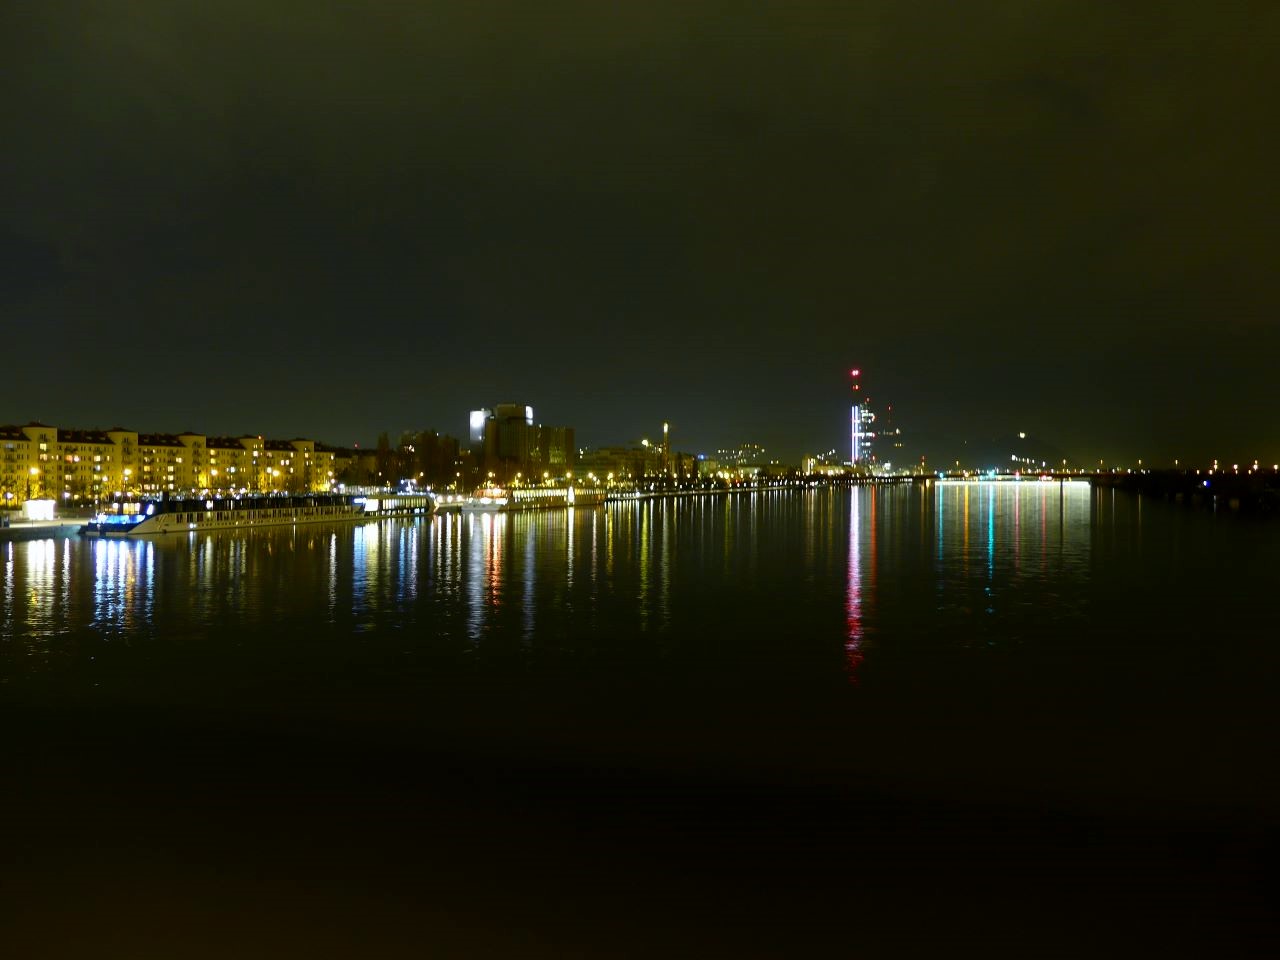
(1017, 659)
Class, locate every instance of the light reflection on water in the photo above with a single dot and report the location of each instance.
(760, 577)
(994, 540)
(854, 591)
(124, 581)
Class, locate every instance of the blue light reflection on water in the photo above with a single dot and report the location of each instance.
(767, 578)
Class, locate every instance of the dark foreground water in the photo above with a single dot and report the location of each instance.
(974, 718)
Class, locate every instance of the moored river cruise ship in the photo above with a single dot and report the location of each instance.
(171, 515)
(503, 500)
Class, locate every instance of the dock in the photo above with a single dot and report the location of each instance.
(20, 530)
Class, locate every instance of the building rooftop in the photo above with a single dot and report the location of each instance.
(223, 443)
(159, 440)
(83, 436)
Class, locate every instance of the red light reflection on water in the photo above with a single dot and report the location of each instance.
(858, 591)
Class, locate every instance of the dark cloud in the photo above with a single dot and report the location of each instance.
(1050, 216)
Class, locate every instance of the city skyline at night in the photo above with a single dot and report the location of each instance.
(648, 479)
(1060, 227)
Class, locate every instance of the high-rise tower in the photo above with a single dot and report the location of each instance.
(861, 424)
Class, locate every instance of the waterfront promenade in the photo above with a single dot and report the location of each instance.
(1250, 491)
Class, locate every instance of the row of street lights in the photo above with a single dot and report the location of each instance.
(547, 479)
(33, 489)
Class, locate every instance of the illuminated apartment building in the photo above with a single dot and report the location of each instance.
(27, 462)
(38, 461)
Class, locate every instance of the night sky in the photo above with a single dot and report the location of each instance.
(1057, 217)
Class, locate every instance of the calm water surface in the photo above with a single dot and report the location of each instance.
(1100, 617)
(821, 582)
(827, 580)
(757, 722)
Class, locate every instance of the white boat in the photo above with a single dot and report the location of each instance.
(172, 515)
(503, 499)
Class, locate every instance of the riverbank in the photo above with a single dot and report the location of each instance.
(22, 530)
(1256, 491)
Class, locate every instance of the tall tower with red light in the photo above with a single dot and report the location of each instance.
(861, 424)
